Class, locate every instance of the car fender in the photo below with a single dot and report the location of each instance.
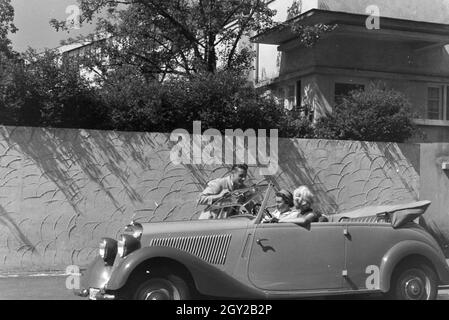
(408, 248)
(97, 274)
(208, 279)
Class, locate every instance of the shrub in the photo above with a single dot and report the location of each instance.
(221, 101)
(40, 91)
(371, 115)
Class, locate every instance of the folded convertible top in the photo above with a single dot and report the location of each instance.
(397, 215)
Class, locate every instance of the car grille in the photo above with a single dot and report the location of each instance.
(212, 249)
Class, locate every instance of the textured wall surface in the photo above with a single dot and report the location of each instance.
(434, 186)
(62, 190)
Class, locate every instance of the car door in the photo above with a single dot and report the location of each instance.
(287, 257)
(366, 244)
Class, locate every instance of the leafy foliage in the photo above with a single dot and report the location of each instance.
(6, 53)
(6, 25)
(185, 37)
(308, 36)
(294, 10)
(45, 92)
(164, 64)
(298, 123)
(221, 101)
(178, 37)
(371, 115)
(42, 91)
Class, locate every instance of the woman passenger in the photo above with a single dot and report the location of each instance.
(303, 213)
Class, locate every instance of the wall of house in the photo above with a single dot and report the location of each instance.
(432, 133)
(358, 53)
(418, 10)
(269, 59)
(435, 60)
(363, 61)
(363, 54)
(62, 190)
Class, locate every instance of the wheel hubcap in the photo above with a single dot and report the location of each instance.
(160, 289)
(160, 294)
(414, 288)
(415, 285)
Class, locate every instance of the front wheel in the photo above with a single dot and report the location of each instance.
(415, 281)
(161, 286)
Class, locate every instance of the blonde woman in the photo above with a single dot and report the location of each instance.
(303, 213)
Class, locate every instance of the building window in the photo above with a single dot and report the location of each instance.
(434, 103)
(438, 102)
(446, 100)
(342, 90)
(290, 95)
(298, 93)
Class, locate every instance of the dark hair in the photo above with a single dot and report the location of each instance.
(286, 196)
(243, 167)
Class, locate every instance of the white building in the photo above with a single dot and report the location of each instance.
(408, 51)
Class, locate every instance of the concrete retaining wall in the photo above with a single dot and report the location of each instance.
(62, 190)
(434, 186)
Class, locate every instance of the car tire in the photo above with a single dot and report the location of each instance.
(161, 286)
(414, 281)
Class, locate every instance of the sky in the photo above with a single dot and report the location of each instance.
(32, 18)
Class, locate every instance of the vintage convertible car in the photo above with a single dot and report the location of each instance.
(377, 249)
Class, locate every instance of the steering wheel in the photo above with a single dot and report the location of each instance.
(256, 209)
(247, 208)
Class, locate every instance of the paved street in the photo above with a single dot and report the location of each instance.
(35, 288)
(53, 288)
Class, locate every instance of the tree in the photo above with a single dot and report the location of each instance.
(7, 55)
(130, 100)
(6, 26)
(163, 65)
(184, 37)
(372, 115)
(42, 91)
(221, 101)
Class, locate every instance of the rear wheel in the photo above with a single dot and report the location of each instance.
(160, 285)
(414, 281)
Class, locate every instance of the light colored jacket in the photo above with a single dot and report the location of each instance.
(214, 188)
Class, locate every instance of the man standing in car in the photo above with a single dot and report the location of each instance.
(222, 187)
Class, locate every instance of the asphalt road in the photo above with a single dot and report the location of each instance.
(54, 288)
(35, 288)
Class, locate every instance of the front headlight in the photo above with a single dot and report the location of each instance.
(135, 229)
(108, 250)
(127, 244)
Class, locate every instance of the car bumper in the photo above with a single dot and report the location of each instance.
(94, 281)
(94, 294)
(444, 276)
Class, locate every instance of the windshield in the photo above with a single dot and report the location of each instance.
(240, 202)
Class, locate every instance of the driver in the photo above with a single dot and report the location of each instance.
(220, 188)
(284, 204)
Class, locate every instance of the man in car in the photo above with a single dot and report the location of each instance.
(220, 188)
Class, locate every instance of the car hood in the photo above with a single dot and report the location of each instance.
(194, 226)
